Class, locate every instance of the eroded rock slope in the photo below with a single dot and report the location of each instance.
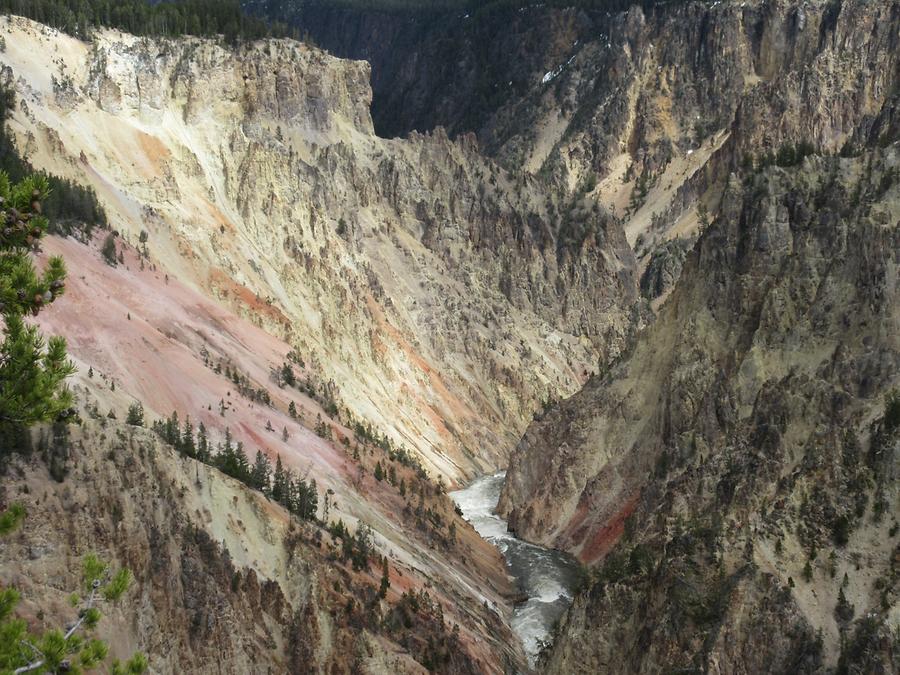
(735, 471)
(225, 580)
(430, 287)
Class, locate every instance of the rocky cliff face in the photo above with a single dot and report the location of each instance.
(225, 581)
(430, 286)
(650, 108)
(734, 470)
(730, 475)
(656, 110)
(437, 67)
(755, 61)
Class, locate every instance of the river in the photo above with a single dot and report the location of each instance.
(547, 577)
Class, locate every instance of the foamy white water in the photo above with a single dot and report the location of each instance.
(546, 576)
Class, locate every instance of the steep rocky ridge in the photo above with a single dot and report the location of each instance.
(436, 66)
(259, 180)
(662, 105)
(740, 438)
(225, 581)
(784, 61)
(136, 335)
(650, 107)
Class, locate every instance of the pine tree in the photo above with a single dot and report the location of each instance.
(202, 444)
(32, 373)
(339, 530)
(379, 472)
(260, 476)
(843, 611)
(231, 459)
(135, 415)
(287, 375)
(362, 547)
(294, 489)
(307, 499)
(242, 465)
(279, 482)
(292, 410)
(109, 249)
(172, 431)
(385, 579)
(188, 446)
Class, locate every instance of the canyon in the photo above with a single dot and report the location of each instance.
(643, 258)
(379, 261)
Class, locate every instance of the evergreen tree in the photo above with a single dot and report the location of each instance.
(32, 374)
(287, 375)
(312, 500)
(188, 446)
(202, 444)
(260, 476)
(135, 415)
(339, 530)
(385, 579)
(231, 459)
(108, 251)
(242, 465)
(362, 547)
(225, 460)
(172, 431)
(280, 487)
(295, 487)
(306, 501)
(292, 410)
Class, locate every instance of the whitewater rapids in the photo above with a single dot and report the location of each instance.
(547, 577)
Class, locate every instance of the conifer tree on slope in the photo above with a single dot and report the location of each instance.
(57, 650)
(32, 372)
(32, 389)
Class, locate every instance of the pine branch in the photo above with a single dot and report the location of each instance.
(34, 665)
(84, 612)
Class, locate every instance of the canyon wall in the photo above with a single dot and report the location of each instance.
(738, 461)
(430, 288)
(645, 109)
(735, 476)
(224, 579)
